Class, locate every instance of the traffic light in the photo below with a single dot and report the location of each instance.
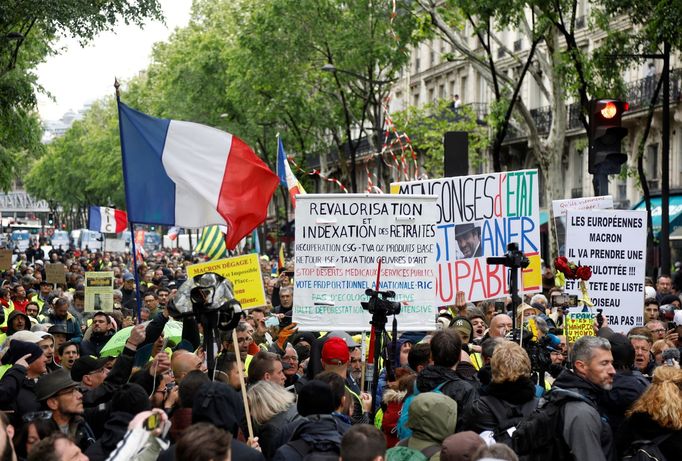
(50, 219)
(605, 136)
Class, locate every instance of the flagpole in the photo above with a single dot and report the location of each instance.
(117, 86)
(135, 273)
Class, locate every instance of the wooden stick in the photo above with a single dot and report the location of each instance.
(242, 383)
(364, 361)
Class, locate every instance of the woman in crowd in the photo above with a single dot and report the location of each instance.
(656, 416)
(273, 410)
(511, 394)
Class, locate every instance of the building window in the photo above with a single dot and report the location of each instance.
(431, 95)
(441, 91)
(416, 64)
(415, 99)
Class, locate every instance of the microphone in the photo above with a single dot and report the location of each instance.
(669, 355)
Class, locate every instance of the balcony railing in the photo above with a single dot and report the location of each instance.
(640, 92)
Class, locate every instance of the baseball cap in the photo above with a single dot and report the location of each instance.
(335, 351)
(27, 336)
(58, 329)
(52, 383)
(128, 276)
(85, 365)
(462, 324)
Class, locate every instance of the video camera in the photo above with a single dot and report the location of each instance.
(513, 258)
(205, 294)
(379, 303)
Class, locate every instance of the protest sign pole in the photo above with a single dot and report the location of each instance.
(363, 350)
(247, 412)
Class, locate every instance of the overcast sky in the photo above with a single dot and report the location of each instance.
(81, 75)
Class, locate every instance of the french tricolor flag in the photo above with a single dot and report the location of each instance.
(190, 175)
(105, 219)
(286, 177)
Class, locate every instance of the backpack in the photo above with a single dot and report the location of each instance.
(405, 432)
(538, 436)
(316, 452)
(507, 417)
(402, 452)
(646, 450)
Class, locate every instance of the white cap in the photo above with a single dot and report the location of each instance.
(27, 336)
(678, 318)
(649, 292)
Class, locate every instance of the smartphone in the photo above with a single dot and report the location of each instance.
(499, 306)
(152, 422)
(672, 326)
(289, 274)
(564, 300)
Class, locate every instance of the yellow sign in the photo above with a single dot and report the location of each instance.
(244, 273)
(579, 324)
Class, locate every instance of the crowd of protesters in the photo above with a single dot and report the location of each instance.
(464, 392)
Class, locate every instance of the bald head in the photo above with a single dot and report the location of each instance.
(183, 362)
(500, 325)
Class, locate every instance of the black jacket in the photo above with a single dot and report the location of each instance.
(95, 344)
(17, 394)
(640, 426)
(322, 431)
(455, 387)
(628, 386)
(114, 430)
(277, 431)
(505, 402)
(119, 375)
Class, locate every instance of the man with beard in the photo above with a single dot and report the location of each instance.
(584, 430)
(60, 394)
(290, 363)
(468, 238)
(355, 368)
(101, 333)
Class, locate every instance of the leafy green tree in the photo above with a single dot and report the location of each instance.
(426, 125)
(28, 30)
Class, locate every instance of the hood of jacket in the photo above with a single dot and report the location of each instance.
(218, 404)
(14, 314)
(114, 430)
(434, 375)
(515, 392)
(393, 396)
(571, 381)
(433, 417)
(320, 430)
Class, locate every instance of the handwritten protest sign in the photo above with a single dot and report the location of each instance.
(613, 243)
(244, 273)
(55, 273)
(477, 216)
(5, 259)
(561, 207)
(579, 324)
(339, 240)
(99, 291)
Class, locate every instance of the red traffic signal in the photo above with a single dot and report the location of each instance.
(605, 135)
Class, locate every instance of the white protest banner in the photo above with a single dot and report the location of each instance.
(561, 207)
(613, 244)
(339, 240)
(115, 245)
(477, 217)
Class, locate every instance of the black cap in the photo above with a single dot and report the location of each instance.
(58, 329)
(17, 349)
(52, 383)
(85, 365)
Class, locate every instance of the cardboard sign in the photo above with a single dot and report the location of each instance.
(115, 245)
(613, 244)
(244, 273)
(477, 216)
(99, 291)
(339, 241)
(5, 259)
(55, 273)
(579, 324)
(560, 209)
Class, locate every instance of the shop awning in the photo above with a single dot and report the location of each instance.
(675, 213)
